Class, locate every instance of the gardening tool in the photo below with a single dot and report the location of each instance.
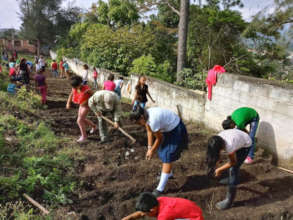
(120, 129)
(35, 203)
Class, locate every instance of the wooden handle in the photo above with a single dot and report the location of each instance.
(120, 129)
(289, 171)
(35, 203)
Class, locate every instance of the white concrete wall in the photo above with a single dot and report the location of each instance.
(273, 102)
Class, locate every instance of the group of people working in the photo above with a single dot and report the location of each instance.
(167, 135)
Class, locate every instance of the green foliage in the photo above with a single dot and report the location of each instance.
(117, 13)
(17, 210)
(48, 21)
(44, 175)
(28, 99)
(145, 65)
(191, 80)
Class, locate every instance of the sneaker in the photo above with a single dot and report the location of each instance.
(104, 140)
(157, 193)
(93, 130)
(248, 160)
(81, 140)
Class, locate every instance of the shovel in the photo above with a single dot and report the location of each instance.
(120, 129)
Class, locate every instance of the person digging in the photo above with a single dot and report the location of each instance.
(105, 103)
(237, 144)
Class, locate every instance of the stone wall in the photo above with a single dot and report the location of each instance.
(273, 101)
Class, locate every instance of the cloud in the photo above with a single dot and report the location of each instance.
(9, 17)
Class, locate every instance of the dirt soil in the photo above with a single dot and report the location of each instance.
(114, 174)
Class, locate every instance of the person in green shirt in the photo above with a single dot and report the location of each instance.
(240, 118)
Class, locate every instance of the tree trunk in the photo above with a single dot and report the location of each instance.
(182, 35)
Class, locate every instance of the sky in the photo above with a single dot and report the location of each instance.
(9, 17)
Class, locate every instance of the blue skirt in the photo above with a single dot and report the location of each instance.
(174, 142)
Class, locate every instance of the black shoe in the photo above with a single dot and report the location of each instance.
(157, 193)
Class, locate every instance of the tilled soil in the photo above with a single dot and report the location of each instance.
(114, 174)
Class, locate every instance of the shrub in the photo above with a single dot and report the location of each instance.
(145, 65)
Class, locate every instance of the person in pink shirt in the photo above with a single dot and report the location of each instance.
(109, 84)
(165, 208)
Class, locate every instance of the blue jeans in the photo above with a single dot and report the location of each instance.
(252, 133)
(241, 155)
(55, 73)
(136, 103)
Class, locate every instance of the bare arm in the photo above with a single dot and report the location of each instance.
(135, 97)
(150, 135)
(232, 162)
(135, 215)
(159, 137)
(149, 95)
(69, 100)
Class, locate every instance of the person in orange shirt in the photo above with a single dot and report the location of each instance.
(62, 71)
(80, 95)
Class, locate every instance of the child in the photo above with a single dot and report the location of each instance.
(95, 76)
(165, 208)
(41, 84)
(141, 92)
(80, 95)
(237, 144)
(11, 88)
(24, 72)
(170, 138)
(61, 69)
(86, 73)
(66, 67)
(109, 84)
(54, 67)
(241, 117)
(119, 85)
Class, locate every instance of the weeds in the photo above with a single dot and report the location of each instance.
(38, 173)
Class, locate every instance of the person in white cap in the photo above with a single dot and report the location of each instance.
(105, 103)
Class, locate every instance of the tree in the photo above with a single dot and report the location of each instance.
(44, 20)
(114, 13)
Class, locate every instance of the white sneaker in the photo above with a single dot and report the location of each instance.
(93, 130)
(81, 140)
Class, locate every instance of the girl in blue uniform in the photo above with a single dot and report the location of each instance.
(169, 135)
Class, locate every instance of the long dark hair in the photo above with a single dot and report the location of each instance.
(136, 114)
(215, 144)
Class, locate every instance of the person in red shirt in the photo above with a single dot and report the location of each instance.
(165, 208)
(80, 95)
(54, 68)
(62, 71)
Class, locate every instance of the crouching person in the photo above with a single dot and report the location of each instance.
(164, 208)
(170, 138)
(105, 103)
(237, 144)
